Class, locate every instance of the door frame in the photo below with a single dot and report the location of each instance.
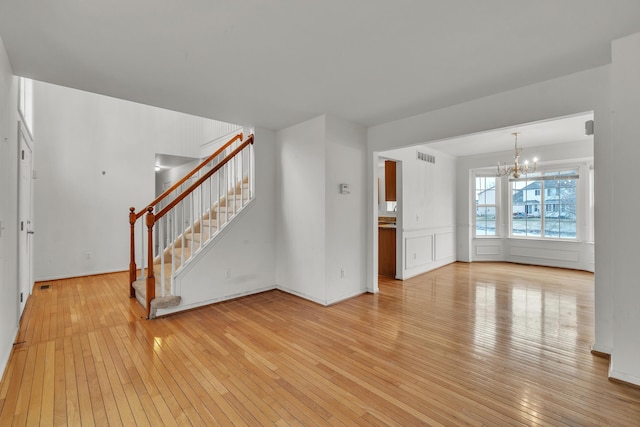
(25, 221)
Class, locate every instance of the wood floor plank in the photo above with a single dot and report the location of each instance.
(48, 384)
(59, 393)
(468, 344)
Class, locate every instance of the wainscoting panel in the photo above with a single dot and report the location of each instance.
(418, 251)
(426, 249)
(488, 249)
(571, 255)
(564, 254)
(445, 244)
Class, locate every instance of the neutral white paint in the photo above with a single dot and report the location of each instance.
(8, 210)
(532, 135)
(555, 46)
(625, 355)
(94, 160)
(301, 226)
(426, 213)
(245, 248)
(564, 96)
(577, 255)
(283, 62)
(320, 233)
(165, 178)
(345, 214)
(25, 216)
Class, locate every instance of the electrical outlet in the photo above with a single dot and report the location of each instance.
(342, 273)
(227, 273)
(88, 255)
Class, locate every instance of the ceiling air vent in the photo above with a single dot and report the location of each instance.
(426, 157)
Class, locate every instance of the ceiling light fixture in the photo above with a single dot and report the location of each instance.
(517, 168)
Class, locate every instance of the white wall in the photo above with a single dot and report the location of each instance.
(584, 91)
(246, 248)
(173, 175)
(8, 211)
(301, 245)
(95, 158)
(625, 355)
(319, 231)
(577, 255)
(345, 214)
(426, 214)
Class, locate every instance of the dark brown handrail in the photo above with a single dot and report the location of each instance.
(152, 218)
(133, 216)
(190, 174)
(206, 176)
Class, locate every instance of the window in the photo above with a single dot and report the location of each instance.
(486, 205)
(25, 103)
(552, 216)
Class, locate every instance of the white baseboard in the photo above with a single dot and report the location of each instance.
(601, 349)
(179, 308)
(630, 379)
(6, 353)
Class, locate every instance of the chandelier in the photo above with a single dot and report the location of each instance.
(517, 168)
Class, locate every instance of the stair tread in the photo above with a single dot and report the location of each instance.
(204, 228)
(197, 237)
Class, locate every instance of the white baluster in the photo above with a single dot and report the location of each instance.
(143, 271)
(174, 236)
(161, 246)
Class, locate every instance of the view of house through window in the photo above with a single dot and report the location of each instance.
(486, 206)
(544, 205)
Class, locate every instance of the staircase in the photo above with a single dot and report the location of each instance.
(185, 219)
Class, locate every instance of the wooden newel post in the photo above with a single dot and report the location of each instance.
(132, 248)
(151, 279)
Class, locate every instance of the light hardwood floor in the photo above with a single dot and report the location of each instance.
(477, 344)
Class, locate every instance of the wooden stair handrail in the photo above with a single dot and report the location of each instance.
(202, 179)
(190, 174)
(133, 216)
(152, 218)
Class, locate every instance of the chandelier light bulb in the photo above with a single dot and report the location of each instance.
(517, 169)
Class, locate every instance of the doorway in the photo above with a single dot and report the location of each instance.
(389, 188)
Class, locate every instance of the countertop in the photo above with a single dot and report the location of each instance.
(386, 225)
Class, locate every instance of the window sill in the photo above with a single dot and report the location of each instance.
(542, 239)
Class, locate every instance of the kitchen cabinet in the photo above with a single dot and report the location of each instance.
(387, 251)
(390, 181)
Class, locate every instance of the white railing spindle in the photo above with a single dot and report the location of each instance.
(143, 247)
(220, 191)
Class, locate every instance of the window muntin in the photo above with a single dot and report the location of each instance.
(486, 197)
(545, 205)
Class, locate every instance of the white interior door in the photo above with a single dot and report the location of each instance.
(25, 226)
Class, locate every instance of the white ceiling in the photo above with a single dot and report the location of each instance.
(551, 132)
(274, 63)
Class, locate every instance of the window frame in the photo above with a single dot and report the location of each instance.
(496, 205)
(25, 104)
(559, 169)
